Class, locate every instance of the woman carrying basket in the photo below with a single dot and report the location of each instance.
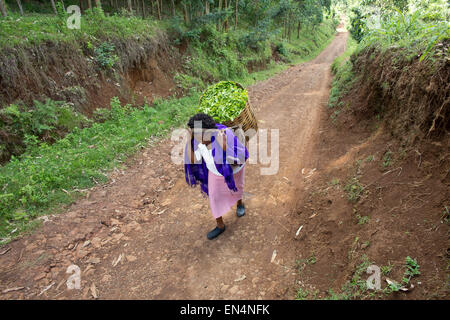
(215, 159)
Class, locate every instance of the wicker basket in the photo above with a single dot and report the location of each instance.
(246, 120)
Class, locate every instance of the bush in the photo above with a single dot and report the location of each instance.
(104, 55)
(22, 127)
(357, 25)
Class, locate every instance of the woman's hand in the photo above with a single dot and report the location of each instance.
(222, 139)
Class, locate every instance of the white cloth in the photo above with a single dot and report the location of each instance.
(205, 153)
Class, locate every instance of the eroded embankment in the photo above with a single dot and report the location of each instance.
(410, 95)
(70, 72)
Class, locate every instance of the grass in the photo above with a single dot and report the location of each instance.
(40, 28)
(302, 263)
(386, 270)
(223, 56)
(343, 79)
(387, 158)
(305, 294)
(46, 177)
(417, 33)
(411, 270)
(356, 287)
(354, 189)
(361, 219)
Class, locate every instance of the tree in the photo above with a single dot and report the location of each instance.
(3, 8)
(19, 4)
(236, 14)
(130, 7)
(54, 6)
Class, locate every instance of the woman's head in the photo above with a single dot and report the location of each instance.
(205, 123)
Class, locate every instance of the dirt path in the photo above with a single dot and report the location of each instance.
(156, 225)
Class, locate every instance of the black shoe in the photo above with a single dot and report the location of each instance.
(240, 211)
(214, 233)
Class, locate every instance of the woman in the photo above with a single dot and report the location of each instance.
(215, 159)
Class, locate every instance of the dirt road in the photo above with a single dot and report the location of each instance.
(143, 235)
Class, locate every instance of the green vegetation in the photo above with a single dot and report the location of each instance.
(302, 263)
(387, 158)
(305, 294)
(415, 29)
(356, 287)
(361, 219)
(411, 270)
(344, 77)
(385, 270)
(223, 101)
(46, 122)
(35, 29)
(354, 189)
(104, 55)
(48, 175)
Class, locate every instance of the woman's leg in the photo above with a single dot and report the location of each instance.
(217, 230)
(220, 223)
(240, 210)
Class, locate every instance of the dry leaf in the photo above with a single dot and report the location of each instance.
(12, 289)
(274, 255)
(298, 231)
(94, 291)
(240, 278)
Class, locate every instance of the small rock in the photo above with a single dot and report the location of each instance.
(106, 278)
(234, 289)
(96, 242)
(131, 258)
(94, 260)
(82, 253)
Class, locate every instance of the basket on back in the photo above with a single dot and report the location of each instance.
(246, 119)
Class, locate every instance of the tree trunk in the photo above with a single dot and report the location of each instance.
(19, 4)
(206, 7)
(3, 8)
(186, 15)
(173, 8)
(219, 8)
(298, 30)
(98, 4)
(225, 23)
(236, 14)
(54, 7)
(159, 9)
(289, 26)
(143, 9)
(130, 7)
(89, 4)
